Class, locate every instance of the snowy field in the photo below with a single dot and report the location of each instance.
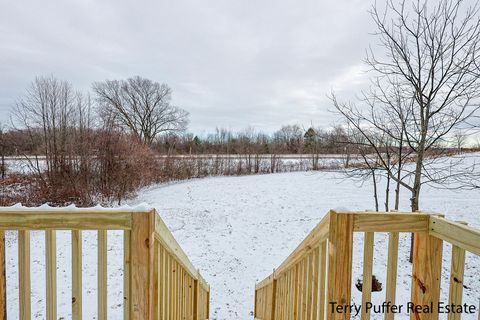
(236, 230)
(288, 162)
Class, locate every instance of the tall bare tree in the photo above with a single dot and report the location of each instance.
(430, 49)
(424, 89)
(142, 106)
(49, 105)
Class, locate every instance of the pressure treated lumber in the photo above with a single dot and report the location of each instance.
(368, 241)
(392, 266)
(126, 274)
(24, 274)
(462, 236)
(390, 222)
(318, 234)
(154, 264)
(322, 271)
(102, 274)
(76, 275)
(426, 273)
(457, 271)
(51, 274)
(296, 278)
(340, 240)
(64, 220)
(141, 266)
(164, 235)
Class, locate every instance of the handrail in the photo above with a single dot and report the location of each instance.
(363, 221)
(159, 279)
(298, 287)
(163, 234)
(313, 240)
(456, 233)
(78, 219)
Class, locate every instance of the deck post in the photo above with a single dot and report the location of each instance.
(426, 274)
(142, 262)
(340, 240)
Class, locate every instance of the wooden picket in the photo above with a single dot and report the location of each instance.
(159, 281)
(319, 270)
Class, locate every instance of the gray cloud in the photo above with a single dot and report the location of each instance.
(230, 63)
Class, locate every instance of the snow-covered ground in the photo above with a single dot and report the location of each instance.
(237, 229)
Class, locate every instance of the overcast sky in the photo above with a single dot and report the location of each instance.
(231, 64)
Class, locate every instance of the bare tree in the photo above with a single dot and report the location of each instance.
(3, 147)
(289, 139)
(49, 105)
(377, 128)
(431, 51)
(425, 88)
(142, 106)
(459, 139)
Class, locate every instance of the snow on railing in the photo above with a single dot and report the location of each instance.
(159, 279)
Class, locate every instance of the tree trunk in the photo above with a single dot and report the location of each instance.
(399, 172)
(387, 190)
(375, 194)
(415, 200)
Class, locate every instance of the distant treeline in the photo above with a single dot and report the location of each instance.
(289, 139)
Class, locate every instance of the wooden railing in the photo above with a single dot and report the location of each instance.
(319, 270)
(159, 280)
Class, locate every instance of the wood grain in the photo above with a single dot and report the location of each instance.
(76, 275)
(426, 273)
(24, 274)
(339, 262)
(51, 274)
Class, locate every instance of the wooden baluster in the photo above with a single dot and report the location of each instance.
(196, 313)
(311, 286)
(274, 296)
(51, 274)
(296, 294)
(156, 276)
(456, 279)
(322, 271)
(304, 288)
(126, 275)
(392, 263)
(24, 274)
(367, 272)
(102, 274)
(76, 275)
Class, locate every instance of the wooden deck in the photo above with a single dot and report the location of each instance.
(160, 282)
(319, 270)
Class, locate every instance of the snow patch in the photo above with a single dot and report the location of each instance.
(142, 207)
